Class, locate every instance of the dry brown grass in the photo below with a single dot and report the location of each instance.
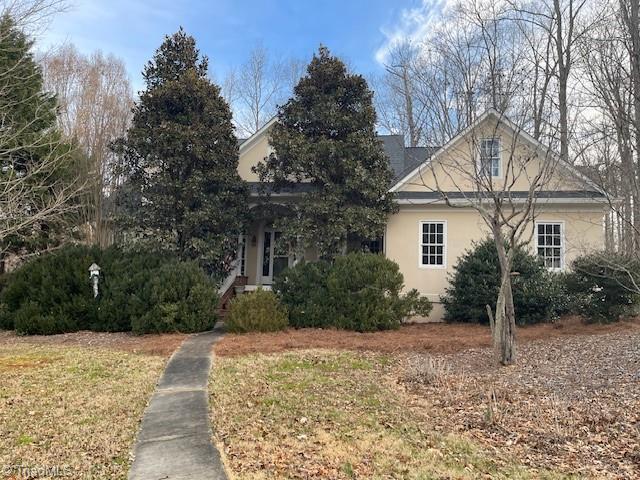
(571, 403)
(569, 408)
(156, 344)
(74, 408)
(337, 415)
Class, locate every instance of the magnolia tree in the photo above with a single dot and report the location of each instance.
(499, 171)
(180, 160)
(325, 135)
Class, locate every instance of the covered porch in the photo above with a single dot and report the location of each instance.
(263, 253)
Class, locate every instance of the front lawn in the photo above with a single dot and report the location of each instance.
(318, 414)
(569, 409)
(71, 410)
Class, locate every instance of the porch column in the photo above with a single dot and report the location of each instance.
(259, 253)
(298, 252)
(242, 251)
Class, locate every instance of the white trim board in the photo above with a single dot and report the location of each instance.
(469, 201)
(252, 140)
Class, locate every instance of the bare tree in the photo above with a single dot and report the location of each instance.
(95, 108)
(504, 194)
(38, 186)
(562, 26)
(256, 88)
(608, 145)
(399, 112)
(259, 84)
(32, 16)
(36, 196)
(474, 60)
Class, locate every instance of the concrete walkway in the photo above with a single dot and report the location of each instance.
(174, 440)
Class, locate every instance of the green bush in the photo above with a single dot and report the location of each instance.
(259, 311)
(143, 292)
(6, 318)
(181, 299)
(303, 289)
(359, 291)
(604, 286)
(51, 287)
(538, 294)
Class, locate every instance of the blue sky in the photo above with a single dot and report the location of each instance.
(360, 31)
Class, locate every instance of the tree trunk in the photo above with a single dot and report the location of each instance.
(408, 100)
(564, 64)
(505, 321)
(631, 19)
(508, 340)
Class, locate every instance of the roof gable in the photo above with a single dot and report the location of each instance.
(516, 132)
(401, 159)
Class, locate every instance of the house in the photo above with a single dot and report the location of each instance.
(435, 222)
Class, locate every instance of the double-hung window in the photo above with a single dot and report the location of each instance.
(550, 244)
(490, 157)
(433, 237)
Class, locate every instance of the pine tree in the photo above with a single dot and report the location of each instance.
(181, 157)
(325, 135)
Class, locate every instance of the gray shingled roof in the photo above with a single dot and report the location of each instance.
(403, 160)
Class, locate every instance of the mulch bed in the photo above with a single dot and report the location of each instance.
(161, 345)
(426, 337)
(570, 403)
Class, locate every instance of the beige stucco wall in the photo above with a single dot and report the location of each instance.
(583, 231)
(453, 168)
(251, 154)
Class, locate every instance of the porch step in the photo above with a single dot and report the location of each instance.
(228, 295)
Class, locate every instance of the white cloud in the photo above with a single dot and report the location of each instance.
(413, 24)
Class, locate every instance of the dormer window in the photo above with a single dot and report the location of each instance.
(490, 157)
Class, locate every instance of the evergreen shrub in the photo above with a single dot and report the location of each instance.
(538, 294)
(139, 291)
(358, 291)
(603, 286)
(259, 311)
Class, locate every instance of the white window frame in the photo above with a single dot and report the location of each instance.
(421, 244)
(480, 166)
(562, 242)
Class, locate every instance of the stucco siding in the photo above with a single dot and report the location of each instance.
(254, 153)
(583, 231)
(448, 170)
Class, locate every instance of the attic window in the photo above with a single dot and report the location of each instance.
(490, 157)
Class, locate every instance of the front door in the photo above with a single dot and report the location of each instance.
(275, 256)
